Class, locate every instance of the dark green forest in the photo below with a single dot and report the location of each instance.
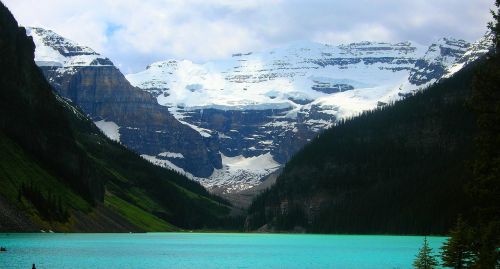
(64, 174)
(397, 169)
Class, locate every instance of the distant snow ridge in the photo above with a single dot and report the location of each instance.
(302, 75)
(266, 105)
(55, 50)
(475, 51)
(279, 78)
(434, 65)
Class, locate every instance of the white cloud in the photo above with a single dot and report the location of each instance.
(361, 32)
(134, 33)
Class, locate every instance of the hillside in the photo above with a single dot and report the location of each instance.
(58, 171)
(398, 169)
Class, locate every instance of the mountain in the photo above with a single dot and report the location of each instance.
(240, 119)
(124, 113)
(267, 105)
(59, 172)
(400, 169)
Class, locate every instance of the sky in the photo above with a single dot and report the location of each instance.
(135, 33)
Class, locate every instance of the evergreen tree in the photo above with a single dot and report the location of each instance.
(495, 25)
(485, 187)
(457, 251)
(425, 259)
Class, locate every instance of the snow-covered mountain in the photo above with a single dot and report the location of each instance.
(267, 105)
(290, 77)
(124, 113)
(57, 51)
(478, 49)
(229, 123)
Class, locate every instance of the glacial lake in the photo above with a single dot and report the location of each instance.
(209, 250)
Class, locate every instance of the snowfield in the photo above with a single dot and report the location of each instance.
(110, 129)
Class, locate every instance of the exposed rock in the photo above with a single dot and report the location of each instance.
(436, 61)
(102, 92)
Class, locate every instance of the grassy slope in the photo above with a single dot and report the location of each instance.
(17, 167)
(134, 203)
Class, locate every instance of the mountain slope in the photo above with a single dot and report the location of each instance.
(59, 172)
(124, 113)
(398, 169)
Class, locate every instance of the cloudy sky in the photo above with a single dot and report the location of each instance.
(134, 33)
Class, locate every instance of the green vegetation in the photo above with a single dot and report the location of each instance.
(59, 168)
(457, 253)
(475, 241)
(49, 206)
(18, 171)
(425, 259)
(137, 216)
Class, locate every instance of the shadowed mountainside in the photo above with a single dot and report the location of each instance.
(59, 172)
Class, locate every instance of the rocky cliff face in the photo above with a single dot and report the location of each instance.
(436, 61)
(122, 111)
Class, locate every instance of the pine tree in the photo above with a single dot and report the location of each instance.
(425, 259)
(485, 187)
(457, 251)
(495, 25)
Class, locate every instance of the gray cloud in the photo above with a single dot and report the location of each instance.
(135, 33)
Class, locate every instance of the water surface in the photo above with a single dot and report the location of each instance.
(209, 250)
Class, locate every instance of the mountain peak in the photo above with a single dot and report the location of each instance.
(55, 50)
(162, 64)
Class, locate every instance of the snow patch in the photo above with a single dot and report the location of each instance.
(171, 155)
(110, 129)
(167, 164)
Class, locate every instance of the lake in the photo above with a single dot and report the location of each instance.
(209, 250)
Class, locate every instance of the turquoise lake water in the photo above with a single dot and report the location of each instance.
(207, 250)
